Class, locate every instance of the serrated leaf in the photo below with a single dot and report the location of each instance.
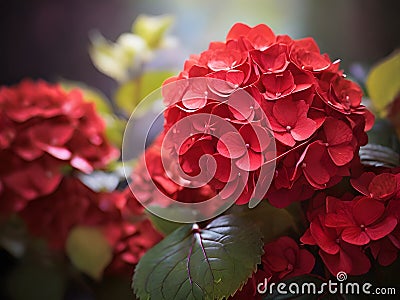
(193, 263)
(129, 94)
(88, 250)
(383, 82)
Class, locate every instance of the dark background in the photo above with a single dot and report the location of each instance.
(49, 38)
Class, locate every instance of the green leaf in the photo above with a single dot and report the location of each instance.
(164, 226)
(152, 28)
(383, 82)
(193, 263)
(89, 250)
(129, 94)
(273, 222)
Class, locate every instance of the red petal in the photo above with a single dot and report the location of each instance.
(338, 220)
(58, 152)
(285, 111)
(341, 154)
(369, 120)
(355, 236)
(242, 105)
(383, 186)
(276, 263)
(381, 229)
(196, 95)
(337, 132)
(339, 262)
(223, 170)
(307, 238)
(261, 36)
(237, 30)
(81, 164)
(304, 128)
(256, 137)
(278, 85)
(285, 138)
(271, 60)
(360, 262)
(305, 263)
(224, 60)
(313, 168)
(231, 145)
(250, 162)
(324, 237)
(367, 210)
(361, 184)
(350, 260)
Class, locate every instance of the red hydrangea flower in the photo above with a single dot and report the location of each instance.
(52, 216)
(314, 114)
(129, 230)
(282, 259)
(336, 254)
(363, 219)
(345, 229)
(386, 250)
(43, 129)
(380, 187)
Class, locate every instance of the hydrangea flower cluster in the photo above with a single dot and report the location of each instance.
(345, 228)
(314, 113)
(46, 135)
(43, 132)
(117, 214)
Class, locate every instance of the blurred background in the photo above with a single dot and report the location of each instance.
(49, 38)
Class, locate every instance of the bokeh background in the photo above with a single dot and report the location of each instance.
(49, 38)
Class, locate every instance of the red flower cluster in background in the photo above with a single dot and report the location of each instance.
(315, 114)
(43, 132)
(344, 229)
(117, 214)
(45, 135)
